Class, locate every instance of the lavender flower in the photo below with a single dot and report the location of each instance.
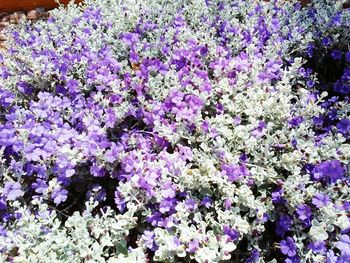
(288, 247)
(12, 190)
(320, 200)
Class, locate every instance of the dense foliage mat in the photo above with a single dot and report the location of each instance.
(177, 131)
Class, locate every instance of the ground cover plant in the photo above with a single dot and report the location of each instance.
(177, 131)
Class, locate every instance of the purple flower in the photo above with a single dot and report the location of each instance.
(343, 244)
(193, 246)
(207, 201)
(304, 213)
(40, 186)
(148, 238)
(288, 247)
(258, 131)
(310, 83)
(283, 225)
(320, 200)
(3, 205)
(296, 121)
(97, 171)
(3, 231)
(347, 57)
(310, 50)
(12, 190)
(228, 203)
(295, 259)
(344, 259)
(190, 204)
(329, 169)
(326, 41)
(341, 88)
(59, 195)
(232, 233)
(318, 247)
(336, 54)
(129, 38)
(343, 126)
(168, 190)
(166, 205)
(119, 200)
(331, 257)
(277, 196)
(254, 256)
(234, 172)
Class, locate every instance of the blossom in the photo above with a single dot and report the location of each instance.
(336, 54)
(288, 247)
(320, 200)
(318, 247)
(193, 245)
(304, 213)
(331, 169)
(59, 195)
(347, 56)
(12, 190)
(296, 121)
(207, 201)
(231, 232)
(283, 225)
(344, 126)
(343, 244)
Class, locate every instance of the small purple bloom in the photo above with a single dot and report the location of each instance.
(283, 225)
(231, 232)
(228, 203)
(119, 200)
(304, 213)
(336, 54)
(277, 196)
(193, 246)
(310, 83)
(234, 172)
(166, 205)
(343, 244)
(3, 205)
(296, 121)
(258, 131)
(288, 247)
(326, 41)
(190, 204)
(148, 238)
(295, 259)
(336, 20)
(331, 257)
(344, 259)
(59, 196)
(329, 169)
(169, 190)
(310, 50)
(40, 186)
(320, 200)
(207, 201)
(318, 247)
(12, 190)
(347, 57)
(343, 126)
(254, 256)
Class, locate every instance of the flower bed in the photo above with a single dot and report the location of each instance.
(204, 131)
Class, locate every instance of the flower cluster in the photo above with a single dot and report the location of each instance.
(171, 131)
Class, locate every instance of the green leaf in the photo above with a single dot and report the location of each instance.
(121, 248)
(206, 191)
